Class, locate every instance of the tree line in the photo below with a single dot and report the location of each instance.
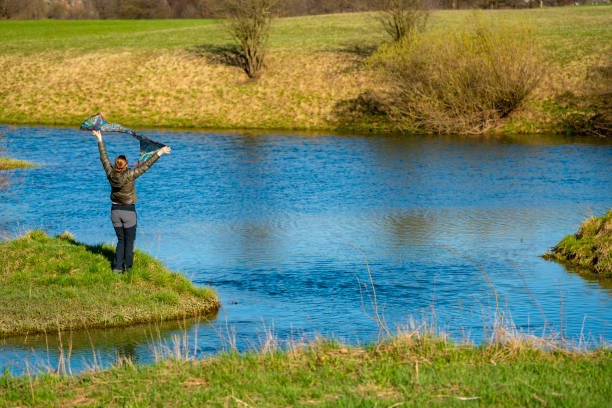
(146, 9)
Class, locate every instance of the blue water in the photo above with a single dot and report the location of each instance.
(285, 226)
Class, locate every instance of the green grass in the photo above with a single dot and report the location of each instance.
(590, 249)
(576, 31)
(407, 371)
(171, 73)
(56, 282)
(9, 164)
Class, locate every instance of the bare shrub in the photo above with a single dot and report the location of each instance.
(399, 18)
(459, 82)
(249, 23)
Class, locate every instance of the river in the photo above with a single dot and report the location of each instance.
(285, 227)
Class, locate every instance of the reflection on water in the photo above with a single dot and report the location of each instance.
(74, 351)
(280, 226)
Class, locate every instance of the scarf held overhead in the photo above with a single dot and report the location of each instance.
(147, 146)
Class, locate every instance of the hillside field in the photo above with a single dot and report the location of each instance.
(176, 74)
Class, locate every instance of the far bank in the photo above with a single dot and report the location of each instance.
(179, 74)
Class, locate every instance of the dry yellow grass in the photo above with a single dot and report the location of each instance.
(178, 89)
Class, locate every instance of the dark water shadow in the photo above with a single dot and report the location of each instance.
(227, 54)
(604, 282)
(112, 336)
(82, 350)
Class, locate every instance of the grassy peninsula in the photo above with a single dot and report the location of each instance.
(10, 164)
(590, 249)
(406, 371)
(51, 283)
(177, 73)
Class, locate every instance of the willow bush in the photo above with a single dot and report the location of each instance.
(458, 82)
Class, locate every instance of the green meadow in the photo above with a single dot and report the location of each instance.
(579, 31)
(177, 74)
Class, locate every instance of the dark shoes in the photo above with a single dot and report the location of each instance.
(122, 270)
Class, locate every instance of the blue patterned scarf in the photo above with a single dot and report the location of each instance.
(147, 146)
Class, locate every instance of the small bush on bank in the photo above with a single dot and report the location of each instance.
(458, 82)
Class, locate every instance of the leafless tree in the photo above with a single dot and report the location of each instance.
(249, 23)
(399, 18)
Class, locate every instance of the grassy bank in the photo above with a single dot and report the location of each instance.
(10, 164)
(50, 283)
(174, 73)
(408, 371)
(590, 249)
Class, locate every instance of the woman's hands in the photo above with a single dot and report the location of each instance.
(163, 150)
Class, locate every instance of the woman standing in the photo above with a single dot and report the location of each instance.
(123, 196)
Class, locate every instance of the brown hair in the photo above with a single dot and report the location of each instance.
(121, 163)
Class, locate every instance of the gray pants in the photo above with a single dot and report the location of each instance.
(124, 220)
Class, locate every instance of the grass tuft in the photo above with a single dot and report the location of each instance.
(58, 281)
(10, 164)
(590, 249)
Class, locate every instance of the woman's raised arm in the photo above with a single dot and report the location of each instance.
(139, 171)
(103, 156)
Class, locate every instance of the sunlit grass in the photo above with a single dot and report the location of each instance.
(57, 283)
(170, 73)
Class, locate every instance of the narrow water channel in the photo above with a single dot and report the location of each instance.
(285, 226)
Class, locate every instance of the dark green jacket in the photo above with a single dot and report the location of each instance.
(123, 190)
